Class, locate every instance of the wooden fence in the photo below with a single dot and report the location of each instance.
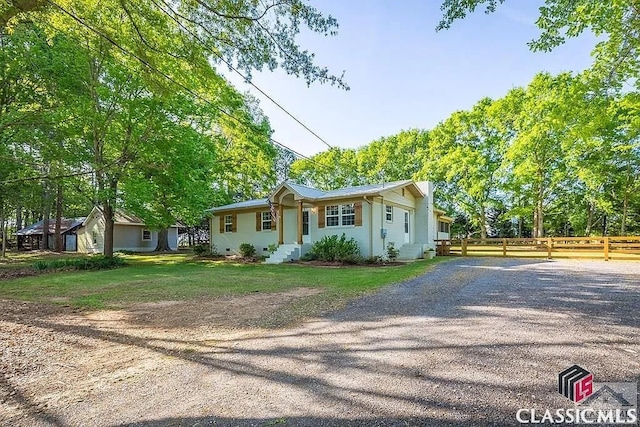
(609, 247)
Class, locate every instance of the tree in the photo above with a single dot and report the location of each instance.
(615, 22)
(464, 156)
(177, 36)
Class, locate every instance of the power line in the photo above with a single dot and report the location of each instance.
(172, 80)
(245, 78)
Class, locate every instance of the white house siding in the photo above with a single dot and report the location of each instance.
(125, 237)
(229, 243)
(360, 233)
(85, 235)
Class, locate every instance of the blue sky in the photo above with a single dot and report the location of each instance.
(405, 75)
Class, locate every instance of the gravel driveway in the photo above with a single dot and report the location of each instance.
(466, 344)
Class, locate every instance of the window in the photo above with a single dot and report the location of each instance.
(266, 220)
(228, 223)
(305, 223)
(348, 214)
(389, 213)
(146, 235)
(443, 227)
(94, 234)
(406, 222)
(333, 215)
(337, 215)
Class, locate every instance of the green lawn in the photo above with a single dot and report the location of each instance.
(180, 277)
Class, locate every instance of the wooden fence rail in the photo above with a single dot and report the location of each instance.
(608, 247)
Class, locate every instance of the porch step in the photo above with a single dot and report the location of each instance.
(286, 253)
(410, 251)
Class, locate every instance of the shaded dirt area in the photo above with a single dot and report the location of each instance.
(466, 344)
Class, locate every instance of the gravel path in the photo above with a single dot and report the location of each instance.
(466, 344)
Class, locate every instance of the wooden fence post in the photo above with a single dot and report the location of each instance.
(549, 244)
(464, 247)
(504, 247)
(606, 248)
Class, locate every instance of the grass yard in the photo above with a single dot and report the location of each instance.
(173, 277)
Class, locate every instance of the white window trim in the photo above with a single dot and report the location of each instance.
(340, 216)
(142, 235)
(228, 223)
(264, 221)
(387, 213)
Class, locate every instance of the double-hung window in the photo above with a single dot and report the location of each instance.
(389, 213)
(266, 220)
(340, 215)
(333, 215)
(228, 223)
(348, 214)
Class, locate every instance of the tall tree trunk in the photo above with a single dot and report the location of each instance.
(19, 218)
(483, 223)
(46, 213)
(107, 211)
(163, 241)
(587, 230)
(604, 225)
(538, 216)
(58, 238)
(625, 207)
(3, 230)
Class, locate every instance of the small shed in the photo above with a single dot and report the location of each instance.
(31, 236)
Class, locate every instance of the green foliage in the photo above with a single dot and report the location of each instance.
(392, 251)
(614, 22)
(272, 248)
(97, 262)
(247, 250)
(335, 248)
(200, 250)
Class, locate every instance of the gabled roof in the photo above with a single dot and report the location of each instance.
(242, 205)
(313, 194)
(67, 224)
(120, 217)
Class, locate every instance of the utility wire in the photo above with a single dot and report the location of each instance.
(173, 15)
(172, 80)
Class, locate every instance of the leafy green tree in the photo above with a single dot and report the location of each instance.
(615, 22)
(464, 156)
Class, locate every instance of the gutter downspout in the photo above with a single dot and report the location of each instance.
(370, 202)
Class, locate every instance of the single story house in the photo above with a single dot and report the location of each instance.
(31, 236)
(295, 216)
(129, 233)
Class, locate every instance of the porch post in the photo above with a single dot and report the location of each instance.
(280, 224)
(300, 222)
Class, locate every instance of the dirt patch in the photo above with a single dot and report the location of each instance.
(227, 311)
(14, 273)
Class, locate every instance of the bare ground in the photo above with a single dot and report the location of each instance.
(466, 344)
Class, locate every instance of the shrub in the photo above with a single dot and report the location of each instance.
(272, 248)
(334, 248)
(201, 250)
(98, 262)
(376, 259)
(392, 252)
(247, 250)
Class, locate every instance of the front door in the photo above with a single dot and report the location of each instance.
(407, 234)
(306, 235)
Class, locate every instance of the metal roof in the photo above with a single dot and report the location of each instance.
(242, 205)
(67, 224)
(314, 194)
